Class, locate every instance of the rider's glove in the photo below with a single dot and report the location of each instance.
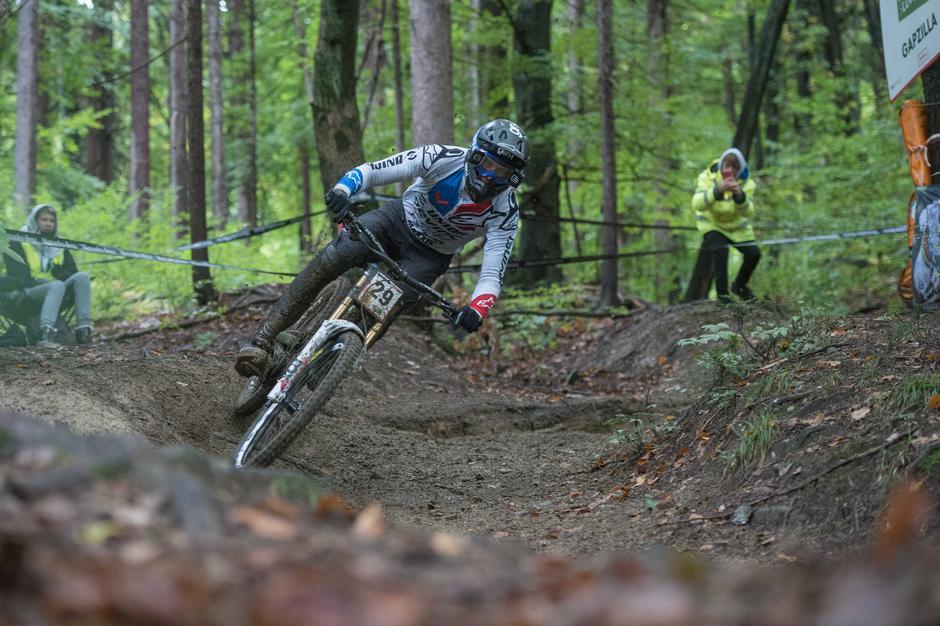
(468, 319)
(337, 201)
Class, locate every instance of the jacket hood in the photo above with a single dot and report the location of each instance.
(32, 224)
(47, 253)
(745, 172)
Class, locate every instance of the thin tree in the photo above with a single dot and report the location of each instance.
(605, 62)
(27, 104)
(657, 30)
(494, 88)
(178, 113)
(140, 109)
(336, 116)
(540, 238)
(196, 152)
(219, 187)
(248, 192)
(432, 92)
(399, 89)
(760, 72)
(306, 228)
(99, 140)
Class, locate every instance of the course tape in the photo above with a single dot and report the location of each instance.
(83, 246)
(848, 235)
(246, 232)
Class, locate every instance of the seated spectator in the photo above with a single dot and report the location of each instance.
(47, 275)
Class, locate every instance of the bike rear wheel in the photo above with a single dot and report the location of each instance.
(256, 388)
(281, 422)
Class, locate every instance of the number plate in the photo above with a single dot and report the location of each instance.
(379, 295)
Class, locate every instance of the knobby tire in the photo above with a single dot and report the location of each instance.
(288, 426)
(255, 391)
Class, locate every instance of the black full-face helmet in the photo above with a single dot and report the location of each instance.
(496, 160)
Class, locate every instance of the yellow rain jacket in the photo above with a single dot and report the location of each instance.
(726, 216)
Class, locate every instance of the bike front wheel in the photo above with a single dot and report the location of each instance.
(280, 422)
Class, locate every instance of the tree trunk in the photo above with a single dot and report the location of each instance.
(248, 190)
(757, 158)
(196, 152)
(99, 142)
(804, 64)
(931, 81)
(658, 63)
(27, 105)
(178, 113)
(573, 98)
(432, 92)
(140, 110)
(540, 238)
(702, 274)
(494, 89)
(399, 89)
(306, 200)
(373, 59)
(306, 227)
(847, 96)
(729, 88)
(336, 116)
(219, 188)
(605, 62)
(757, 82)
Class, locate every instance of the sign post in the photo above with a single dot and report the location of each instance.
(911, 35)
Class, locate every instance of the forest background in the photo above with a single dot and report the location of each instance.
(827, 152)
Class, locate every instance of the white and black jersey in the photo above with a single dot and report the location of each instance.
(440, 214)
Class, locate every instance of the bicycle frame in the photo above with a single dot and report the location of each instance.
(338, 321)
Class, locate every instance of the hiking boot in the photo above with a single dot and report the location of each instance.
(47, 338)
(83, 335)
(742, 291)
(252, 360)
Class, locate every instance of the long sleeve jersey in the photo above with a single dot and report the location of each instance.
(440, 214)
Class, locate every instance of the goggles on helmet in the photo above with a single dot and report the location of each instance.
(486, 165)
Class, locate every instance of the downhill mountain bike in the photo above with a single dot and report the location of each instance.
(312, 358)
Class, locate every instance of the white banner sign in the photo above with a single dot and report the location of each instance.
(911, 34)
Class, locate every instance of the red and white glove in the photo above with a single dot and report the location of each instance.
(471, 316)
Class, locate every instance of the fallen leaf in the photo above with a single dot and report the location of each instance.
(662, 360)
(447, 544)
(860, 413)
(369, 524)
(331, 505)
(786, 557)
(48, 381)
(264, 524)
(499, 534)
(934, 402)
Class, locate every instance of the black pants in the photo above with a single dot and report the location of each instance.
(718, 245)
(388, 225)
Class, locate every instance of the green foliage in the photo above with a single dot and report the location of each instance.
(638, 431)
(826, 171)
(755, 438)
(725, 357)
(912, 394)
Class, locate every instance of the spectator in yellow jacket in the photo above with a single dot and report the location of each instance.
(723, 204)
(47, 274)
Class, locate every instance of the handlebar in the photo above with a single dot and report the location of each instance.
(359, 232)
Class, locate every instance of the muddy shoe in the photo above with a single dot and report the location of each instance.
(724, 298)
(251, 360)
(742, 291)
(83, 335)
(47, 338)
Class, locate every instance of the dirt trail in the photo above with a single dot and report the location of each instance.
(443, 442)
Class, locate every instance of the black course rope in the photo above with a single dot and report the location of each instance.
(246, 232)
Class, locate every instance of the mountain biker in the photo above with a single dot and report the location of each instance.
(458, 194)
